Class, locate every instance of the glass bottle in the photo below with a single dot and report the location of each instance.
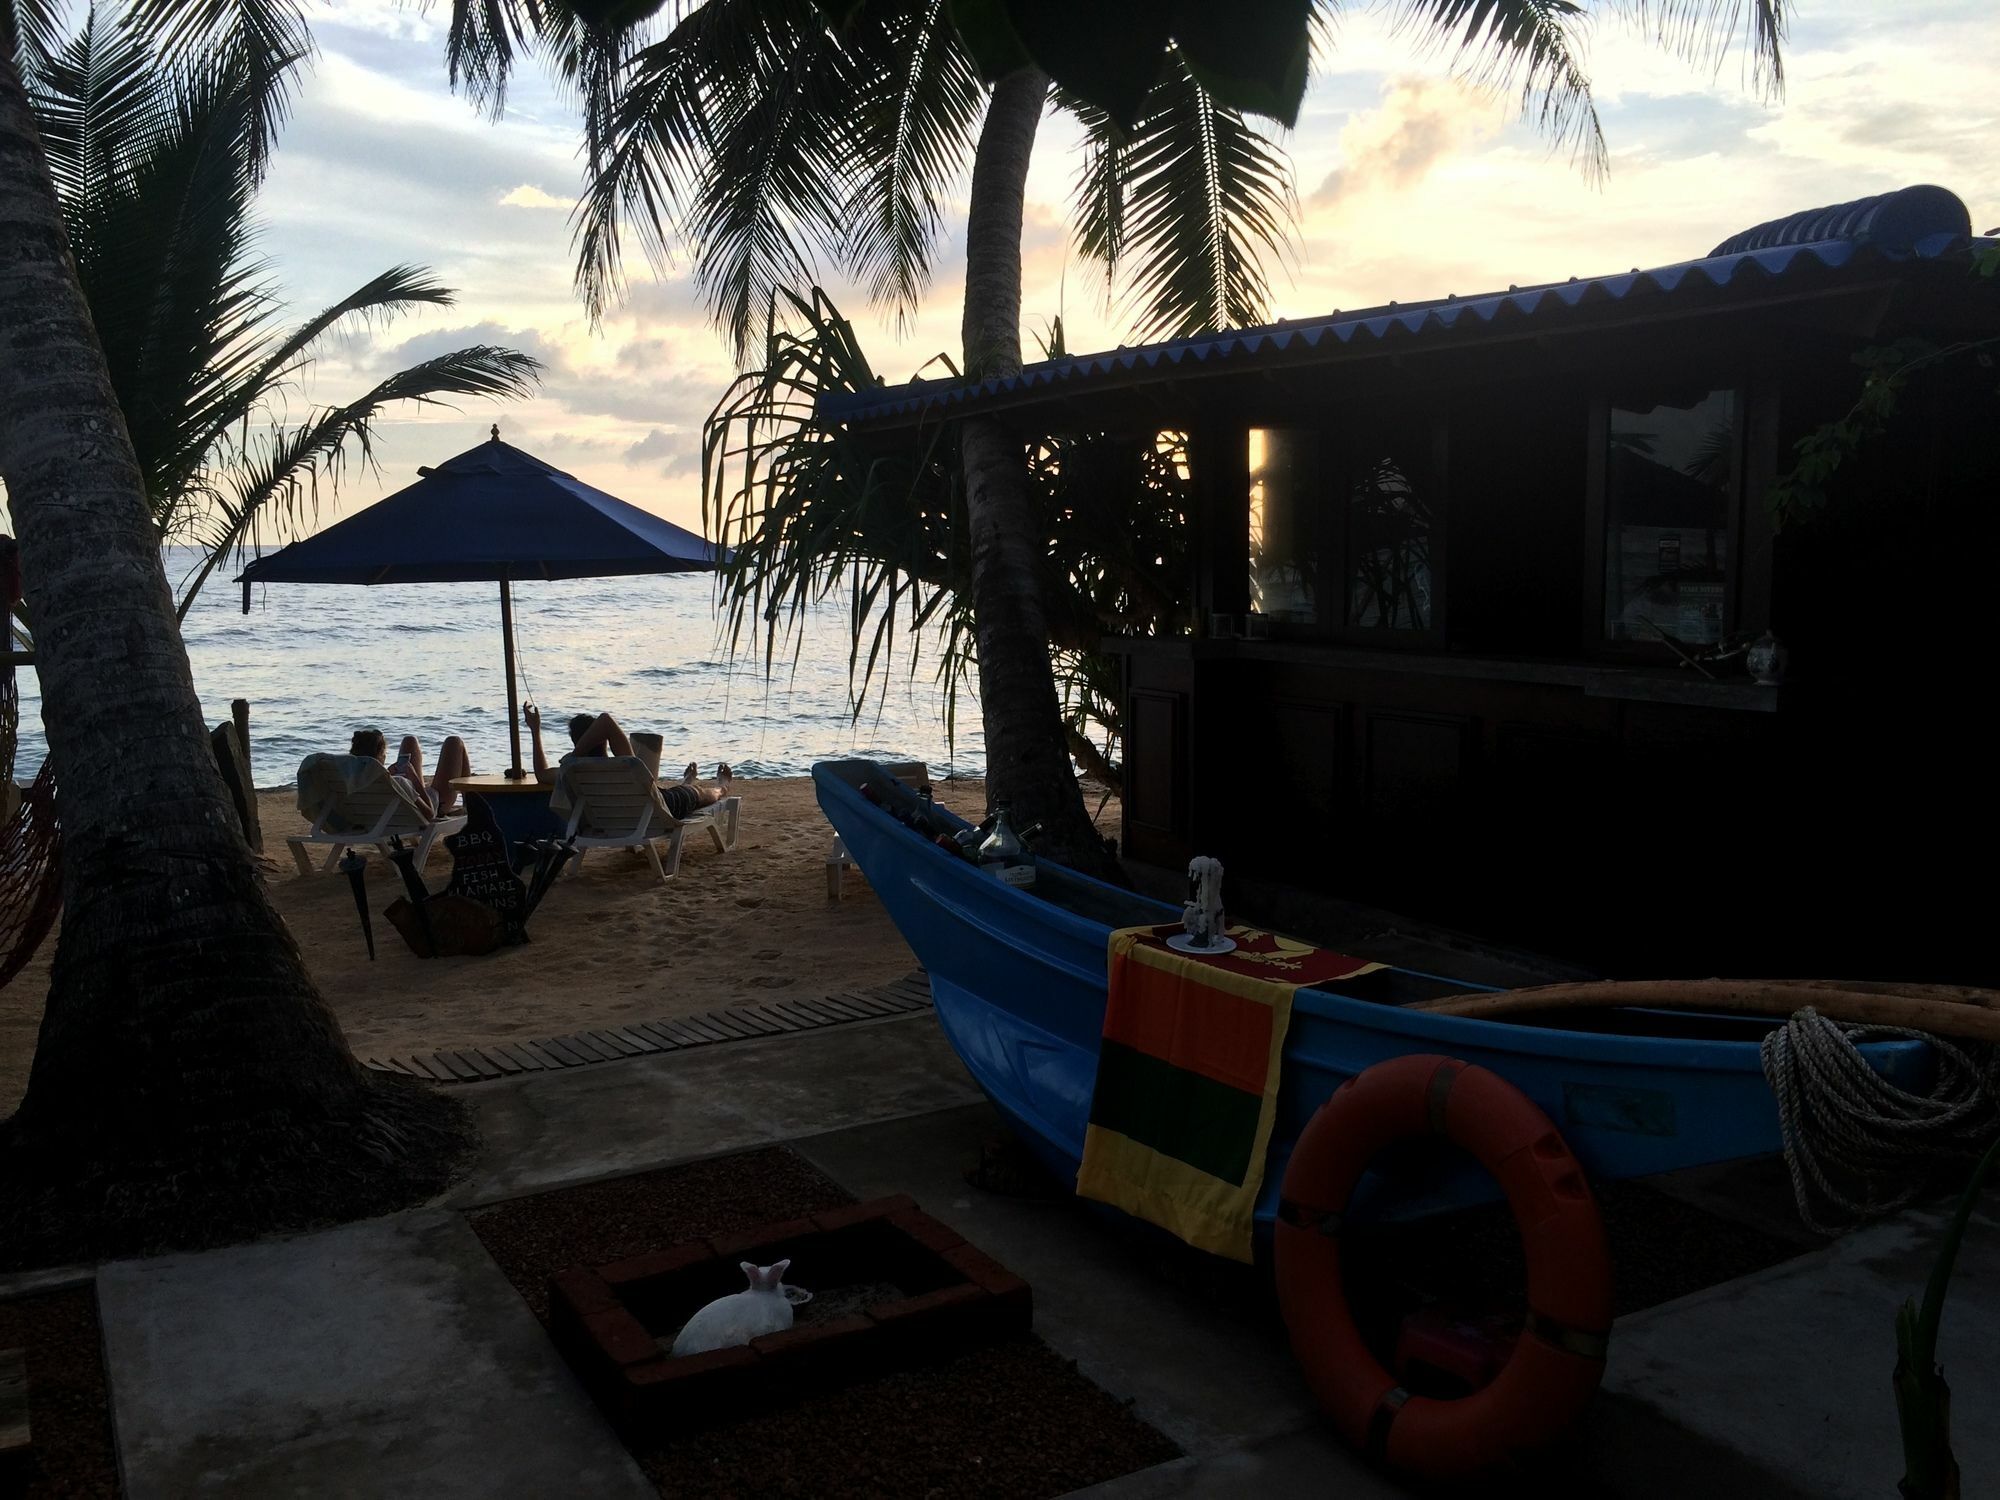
(1003, 852)
(1002, 846)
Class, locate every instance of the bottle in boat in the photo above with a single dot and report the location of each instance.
(923, 820)
(1004, 854)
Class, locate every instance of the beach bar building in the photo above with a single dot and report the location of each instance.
(1450, 561)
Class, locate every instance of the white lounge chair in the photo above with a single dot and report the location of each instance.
(352, 799)
(614, 803)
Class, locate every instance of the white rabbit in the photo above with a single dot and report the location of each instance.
(737, 1319)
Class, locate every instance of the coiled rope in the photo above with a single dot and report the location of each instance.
(1856, 1145)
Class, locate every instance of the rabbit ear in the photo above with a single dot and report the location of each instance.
(751, 1273)
(778, 1273)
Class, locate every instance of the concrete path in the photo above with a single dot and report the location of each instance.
(1196, 1366)
(391, 1358)
(384, 1358)
(1203, 1360)
(548, 1130)
(1792, 1365)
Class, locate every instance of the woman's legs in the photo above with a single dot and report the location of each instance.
(454, 761)
(409, 769)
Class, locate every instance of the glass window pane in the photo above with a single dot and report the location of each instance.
(1668, 478)
(1284, 535)
(1390, 524)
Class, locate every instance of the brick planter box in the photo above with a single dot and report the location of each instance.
(934, 1294)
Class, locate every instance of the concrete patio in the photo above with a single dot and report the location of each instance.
(392, 1357)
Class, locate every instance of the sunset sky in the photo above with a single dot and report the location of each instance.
(1409, 184)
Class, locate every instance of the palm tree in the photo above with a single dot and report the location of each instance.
(805, 507)
(761, 136)
(186, 320)
(189, 1083)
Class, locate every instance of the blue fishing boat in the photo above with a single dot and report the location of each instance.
(1019, 981)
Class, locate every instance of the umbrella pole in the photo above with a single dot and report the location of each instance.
(514, 772)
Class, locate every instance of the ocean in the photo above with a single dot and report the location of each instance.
(317, 661)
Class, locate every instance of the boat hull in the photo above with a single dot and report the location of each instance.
(1019, 985)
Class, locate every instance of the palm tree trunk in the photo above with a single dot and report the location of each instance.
(1027, 749)
(189, 1084)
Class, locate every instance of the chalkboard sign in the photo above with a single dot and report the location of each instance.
(482, 870)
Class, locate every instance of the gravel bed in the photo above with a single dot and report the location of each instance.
(1012, 1421)
(838, 1301)
(533, 1238)
(69, 1404)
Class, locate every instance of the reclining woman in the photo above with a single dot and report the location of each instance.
(600, 734)
(439, 796)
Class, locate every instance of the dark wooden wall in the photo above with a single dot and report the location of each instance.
(1520, 782)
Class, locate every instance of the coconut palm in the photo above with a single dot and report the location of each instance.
(190, 326)
(189, 1083)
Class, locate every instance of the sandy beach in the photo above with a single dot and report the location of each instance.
(609, 944)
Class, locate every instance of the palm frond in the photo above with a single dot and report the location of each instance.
(480, 45)
(646, 151)
(1097, 203)
(267, 38)
(253, 369)
(809, 512)
(812, 514)
(162, 247)
(738, 130)
(285, 466)
(1705, 32)
(30, 34)
(1529, 45)
(916, 127)
(99, 101)
(775, 182)
(1205, 198)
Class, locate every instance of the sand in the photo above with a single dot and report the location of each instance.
(609, 944)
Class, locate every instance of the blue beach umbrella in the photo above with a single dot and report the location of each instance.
(492, 514)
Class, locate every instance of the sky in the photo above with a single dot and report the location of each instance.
(1410, 185)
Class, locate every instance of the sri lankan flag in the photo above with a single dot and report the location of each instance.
(1187, 1078)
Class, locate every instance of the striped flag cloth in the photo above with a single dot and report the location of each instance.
(1187, 1078)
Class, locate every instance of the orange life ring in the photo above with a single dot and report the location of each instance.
(1558, 1360)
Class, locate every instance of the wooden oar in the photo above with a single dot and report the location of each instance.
(1964, 993)
(1973, 1014)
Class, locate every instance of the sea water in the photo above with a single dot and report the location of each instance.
(316, 661)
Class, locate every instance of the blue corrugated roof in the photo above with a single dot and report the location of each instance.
(1466, 315)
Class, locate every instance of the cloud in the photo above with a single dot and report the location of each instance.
(1420, 122)
(527, 195)
(433, 342)
(684, 396)
(674, 453)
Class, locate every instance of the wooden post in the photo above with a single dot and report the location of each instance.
(514, 771)
(239, 715)
(235, 768)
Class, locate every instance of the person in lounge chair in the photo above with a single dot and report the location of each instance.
(600, 734)
(438, 796)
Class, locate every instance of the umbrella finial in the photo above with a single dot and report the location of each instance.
(495, 429)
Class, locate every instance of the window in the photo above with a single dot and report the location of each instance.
(1284, 524)
(1390, 527)
(1345, 528)
(1669, 477)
